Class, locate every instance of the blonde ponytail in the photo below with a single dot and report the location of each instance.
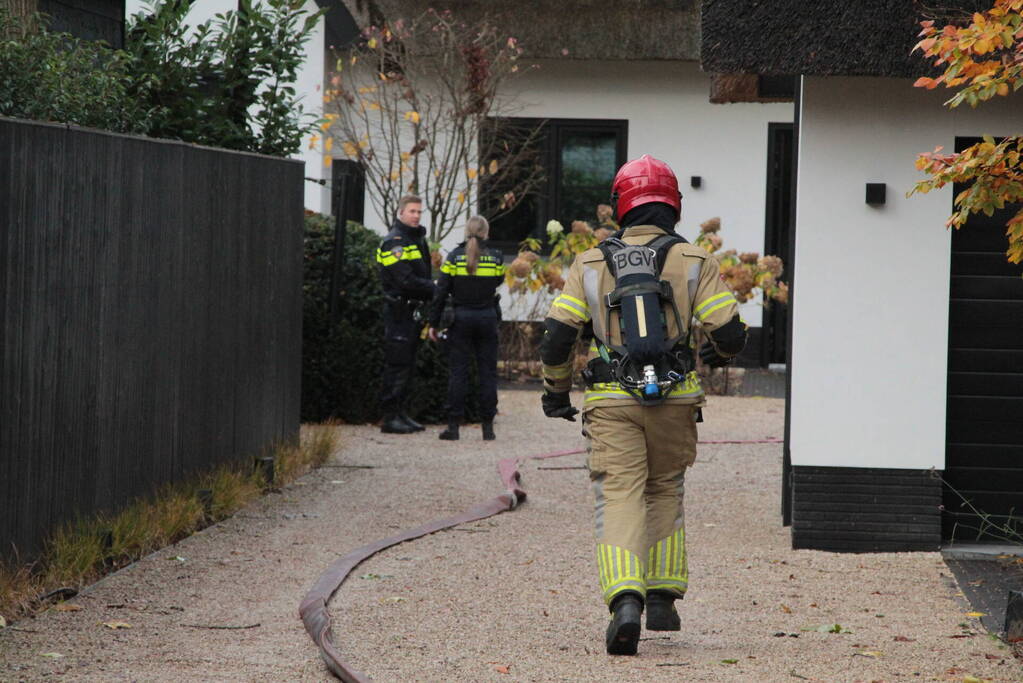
(476, 230)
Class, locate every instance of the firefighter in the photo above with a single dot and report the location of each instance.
(404, 261)
(470, 275)
(642, 291)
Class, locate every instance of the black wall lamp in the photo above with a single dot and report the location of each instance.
(695, 181)
(876, 194)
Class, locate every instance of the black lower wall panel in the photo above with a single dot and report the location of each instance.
(856, 509)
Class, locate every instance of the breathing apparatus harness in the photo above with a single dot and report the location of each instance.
(649, 364)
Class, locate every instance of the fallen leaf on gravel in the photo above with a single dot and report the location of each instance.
(384, 601)
(873, 654)
(971, 679)
(68, 607)
(115, 625)
(3, 622)
(177, 558)
(786, 609)
(729, 661)
(376, 576)
(827, 628)
(503, 668)
(976, 614)
(904, 639)
(51, 655)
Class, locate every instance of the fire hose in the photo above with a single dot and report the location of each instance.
(313, 609)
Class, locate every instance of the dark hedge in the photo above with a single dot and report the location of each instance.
(342, 365)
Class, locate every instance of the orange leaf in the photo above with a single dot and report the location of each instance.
(503, 669)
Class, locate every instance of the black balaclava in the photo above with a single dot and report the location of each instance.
(660, 214)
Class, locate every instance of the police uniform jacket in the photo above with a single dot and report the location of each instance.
(468, 290)
(700, 295)
(404, 260)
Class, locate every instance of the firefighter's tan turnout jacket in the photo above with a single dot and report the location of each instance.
(699, 292)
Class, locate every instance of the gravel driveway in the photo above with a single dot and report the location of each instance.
(512, 598)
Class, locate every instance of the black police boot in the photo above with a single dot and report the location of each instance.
(623, 631)
(393, 424)
(661, 614)
(411, 423)
(451, 433)
(488, 430)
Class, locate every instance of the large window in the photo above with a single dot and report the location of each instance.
(580, 158)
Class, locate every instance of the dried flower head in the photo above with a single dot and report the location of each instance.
(604, 212)
(530, 257)
(782, 294)
(740, 280)
(711, 225)
(581, 228)
(520, 267)
(603, 233)
(554, 228)
(749, 257)
(772, 264)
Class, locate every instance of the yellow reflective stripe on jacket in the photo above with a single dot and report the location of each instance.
(482, 269)
(386, 257)
(605, 390)
(574, 306)
(718, 301)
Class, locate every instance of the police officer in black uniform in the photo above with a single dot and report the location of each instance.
(404, 260)
(470, 275)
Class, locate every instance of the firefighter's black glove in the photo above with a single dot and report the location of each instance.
(558, 405)
(710, 356)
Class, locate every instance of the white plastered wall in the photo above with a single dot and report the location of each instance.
(870, 313)
(308, 86)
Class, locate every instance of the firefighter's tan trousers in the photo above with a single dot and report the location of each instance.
(637, 461)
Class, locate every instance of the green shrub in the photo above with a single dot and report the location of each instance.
(49, 76)
(342, 364)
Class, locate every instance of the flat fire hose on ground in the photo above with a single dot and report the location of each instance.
(313, 610)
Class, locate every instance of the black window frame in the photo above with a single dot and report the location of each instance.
(549, 193)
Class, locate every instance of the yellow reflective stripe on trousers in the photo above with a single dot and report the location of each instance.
(558, 371)
(708, 306)
(619, 571)
(667, 568)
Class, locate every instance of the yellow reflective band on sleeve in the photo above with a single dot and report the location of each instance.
(558, 371)
(578, 308)
(448, 268)
(386, 258)
(411, 253)
(708, 306)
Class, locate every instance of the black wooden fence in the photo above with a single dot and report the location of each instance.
(150, 317)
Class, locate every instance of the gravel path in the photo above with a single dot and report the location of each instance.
(516, 593)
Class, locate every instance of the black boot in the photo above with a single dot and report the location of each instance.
(661, 614)
(488, 430)
(623, 631)
(451, 433)
(416, 427)
(393, 424)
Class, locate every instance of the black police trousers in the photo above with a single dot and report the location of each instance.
(473, 335)
(400, 341)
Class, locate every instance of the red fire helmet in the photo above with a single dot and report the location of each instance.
(642, 181)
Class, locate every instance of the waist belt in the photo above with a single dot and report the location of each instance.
(598, 370)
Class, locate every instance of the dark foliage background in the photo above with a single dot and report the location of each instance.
(342, 364)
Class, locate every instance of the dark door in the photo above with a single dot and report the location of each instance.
(777, 234)
(984, 437)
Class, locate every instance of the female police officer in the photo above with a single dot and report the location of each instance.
(470, 275)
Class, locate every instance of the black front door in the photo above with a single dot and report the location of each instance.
(777, 234)
(984, 436)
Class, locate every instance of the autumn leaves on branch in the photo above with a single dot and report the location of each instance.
(983, 59)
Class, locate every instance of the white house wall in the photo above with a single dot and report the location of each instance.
(308, 86)
(870, 314)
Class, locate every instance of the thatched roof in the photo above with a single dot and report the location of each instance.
(586, 29)
(827, 37)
